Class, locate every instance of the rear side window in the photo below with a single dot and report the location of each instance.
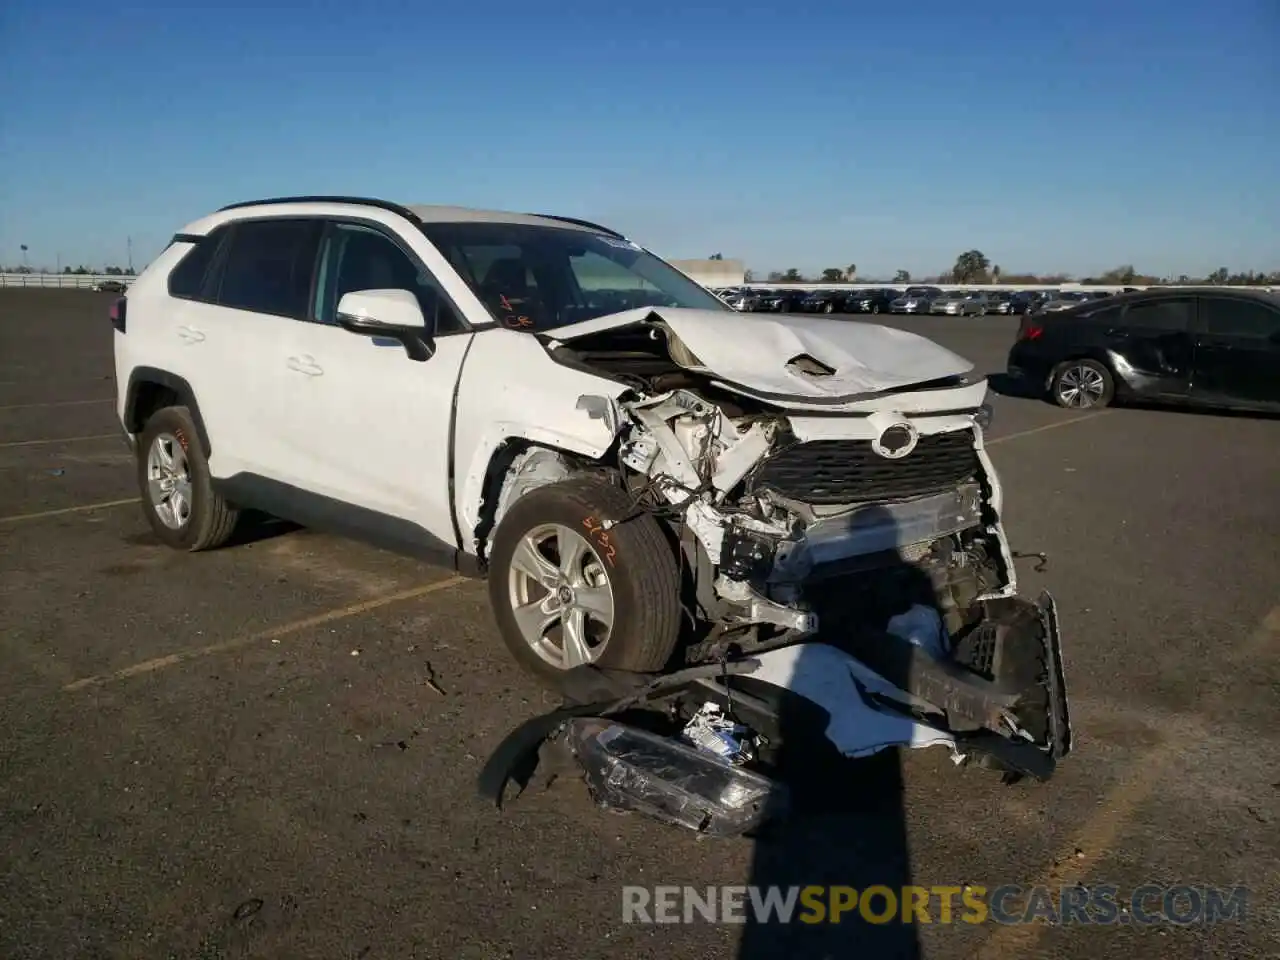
(1228, 317)
(269, 266)
(192, 278)
(1171, 315)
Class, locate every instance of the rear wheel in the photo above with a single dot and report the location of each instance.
(1082, 385)
(178, 497)
(829, 308)
(568, 591)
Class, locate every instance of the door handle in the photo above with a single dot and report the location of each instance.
(305, 364)
(190, 334)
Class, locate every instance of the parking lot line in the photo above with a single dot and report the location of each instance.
(1100, 831)
(1048, 426)
(56, 403)
(273, 633)
(83, 508)
(37, 443)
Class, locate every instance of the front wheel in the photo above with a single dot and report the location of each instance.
(568, 589)
(829, 308)
(1082, 385)
(875, 308)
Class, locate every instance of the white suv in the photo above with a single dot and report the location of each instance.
(645, 476)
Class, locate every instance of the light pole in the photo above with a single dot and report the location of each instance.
(129, 244)
(24, 257)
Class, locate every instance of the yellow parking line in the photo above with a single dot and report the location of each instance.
(1048, 426)
(56, 403)
(1100, 831)
(37, 443)
(273, 633)
(84, 508)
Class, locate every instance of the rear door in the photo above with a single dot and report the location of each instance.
(1150, 344)
(231, 328)
(1237, 351)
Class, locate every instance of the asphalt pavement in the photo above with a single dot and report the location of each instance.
(239, 754)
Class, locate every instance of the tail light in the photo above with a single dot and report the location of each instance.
(1030, 329)
(117, 313)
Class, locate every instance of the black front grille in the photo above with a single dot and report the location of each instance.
(849, 471)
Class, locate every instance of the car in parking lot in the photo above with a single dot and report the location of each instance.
(871, 300)
(960, 303)
(824, 301)
(785, 300)
(1000, 301)
(915, 300)
(1210, 346)
(654, 484)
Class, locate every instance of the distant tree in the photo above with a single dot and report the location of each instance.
(81, 270)
(851, 272)
(748, 276)
(832, 275)
(775, 276)
(113, 272)
(66, 269)
(1218, 276)
(902, 276)
(716, 256)
(792, 275)
(971, 267)
(1122, 275)
(995, 274)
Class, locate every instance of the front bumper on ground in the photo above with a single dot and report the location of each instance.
(796, 697)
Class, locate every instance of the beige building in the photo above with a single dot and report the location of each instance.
(713, 273)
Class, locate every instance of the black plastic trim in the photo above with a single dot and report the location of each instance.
(189, 237)
(579, 223)
(452, 454)
(143, 375)
(344, 519)
(360, 201)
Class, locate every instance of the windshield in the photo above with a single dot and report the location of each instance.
(536, 278)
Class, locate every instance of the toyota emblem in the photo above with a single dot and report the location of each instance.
(896, 441)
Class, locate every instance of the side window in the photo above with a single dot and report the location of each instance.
(1169, 315)
(1229, 317)
(269, 266)
(193, 276)
(362, 258)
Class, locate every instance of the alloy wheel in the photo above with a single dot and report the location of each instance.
(561, 596)
(169, 481)
(1080, 387)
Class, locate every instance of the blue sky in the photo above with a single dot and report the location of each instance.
(1074, 136)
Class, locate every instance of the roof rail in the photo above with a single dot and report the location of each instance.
(361, 201)
(580, 223)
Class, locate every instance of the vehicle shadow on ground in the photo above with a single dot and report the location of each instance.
(847, 829)
(1006, 386)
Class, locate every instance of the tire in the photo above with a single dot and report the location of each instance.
(198, 518)
(829, 308)
(633, 560)
(1094, 387)
(875, 308)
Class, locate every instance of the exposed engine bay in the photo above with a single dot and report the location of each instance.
(847, 551)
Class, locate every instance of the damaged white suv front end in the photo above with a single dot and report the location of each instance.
(837, 519)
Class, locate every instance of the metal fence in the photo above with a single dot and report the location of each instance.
(68, 281)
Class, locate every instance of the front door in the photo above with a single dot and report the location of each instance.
(1237, 351)
(368, 428)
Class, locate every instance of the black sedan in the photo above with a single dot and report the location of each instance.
(1206, 346)
(825, 301)
(780, 301)
(871, 301)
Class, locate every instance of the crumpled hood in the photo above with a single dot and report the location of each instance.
(757, 353)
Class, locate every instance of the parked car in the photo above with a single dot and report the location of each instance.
(960, 303)
(1199, 346)
(639, 488)
(1061, 300)
(915, 300)
(743, 300)
(1000, 301)
(824, 301)
(871, 301)
(786, 300)
(110, 286)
